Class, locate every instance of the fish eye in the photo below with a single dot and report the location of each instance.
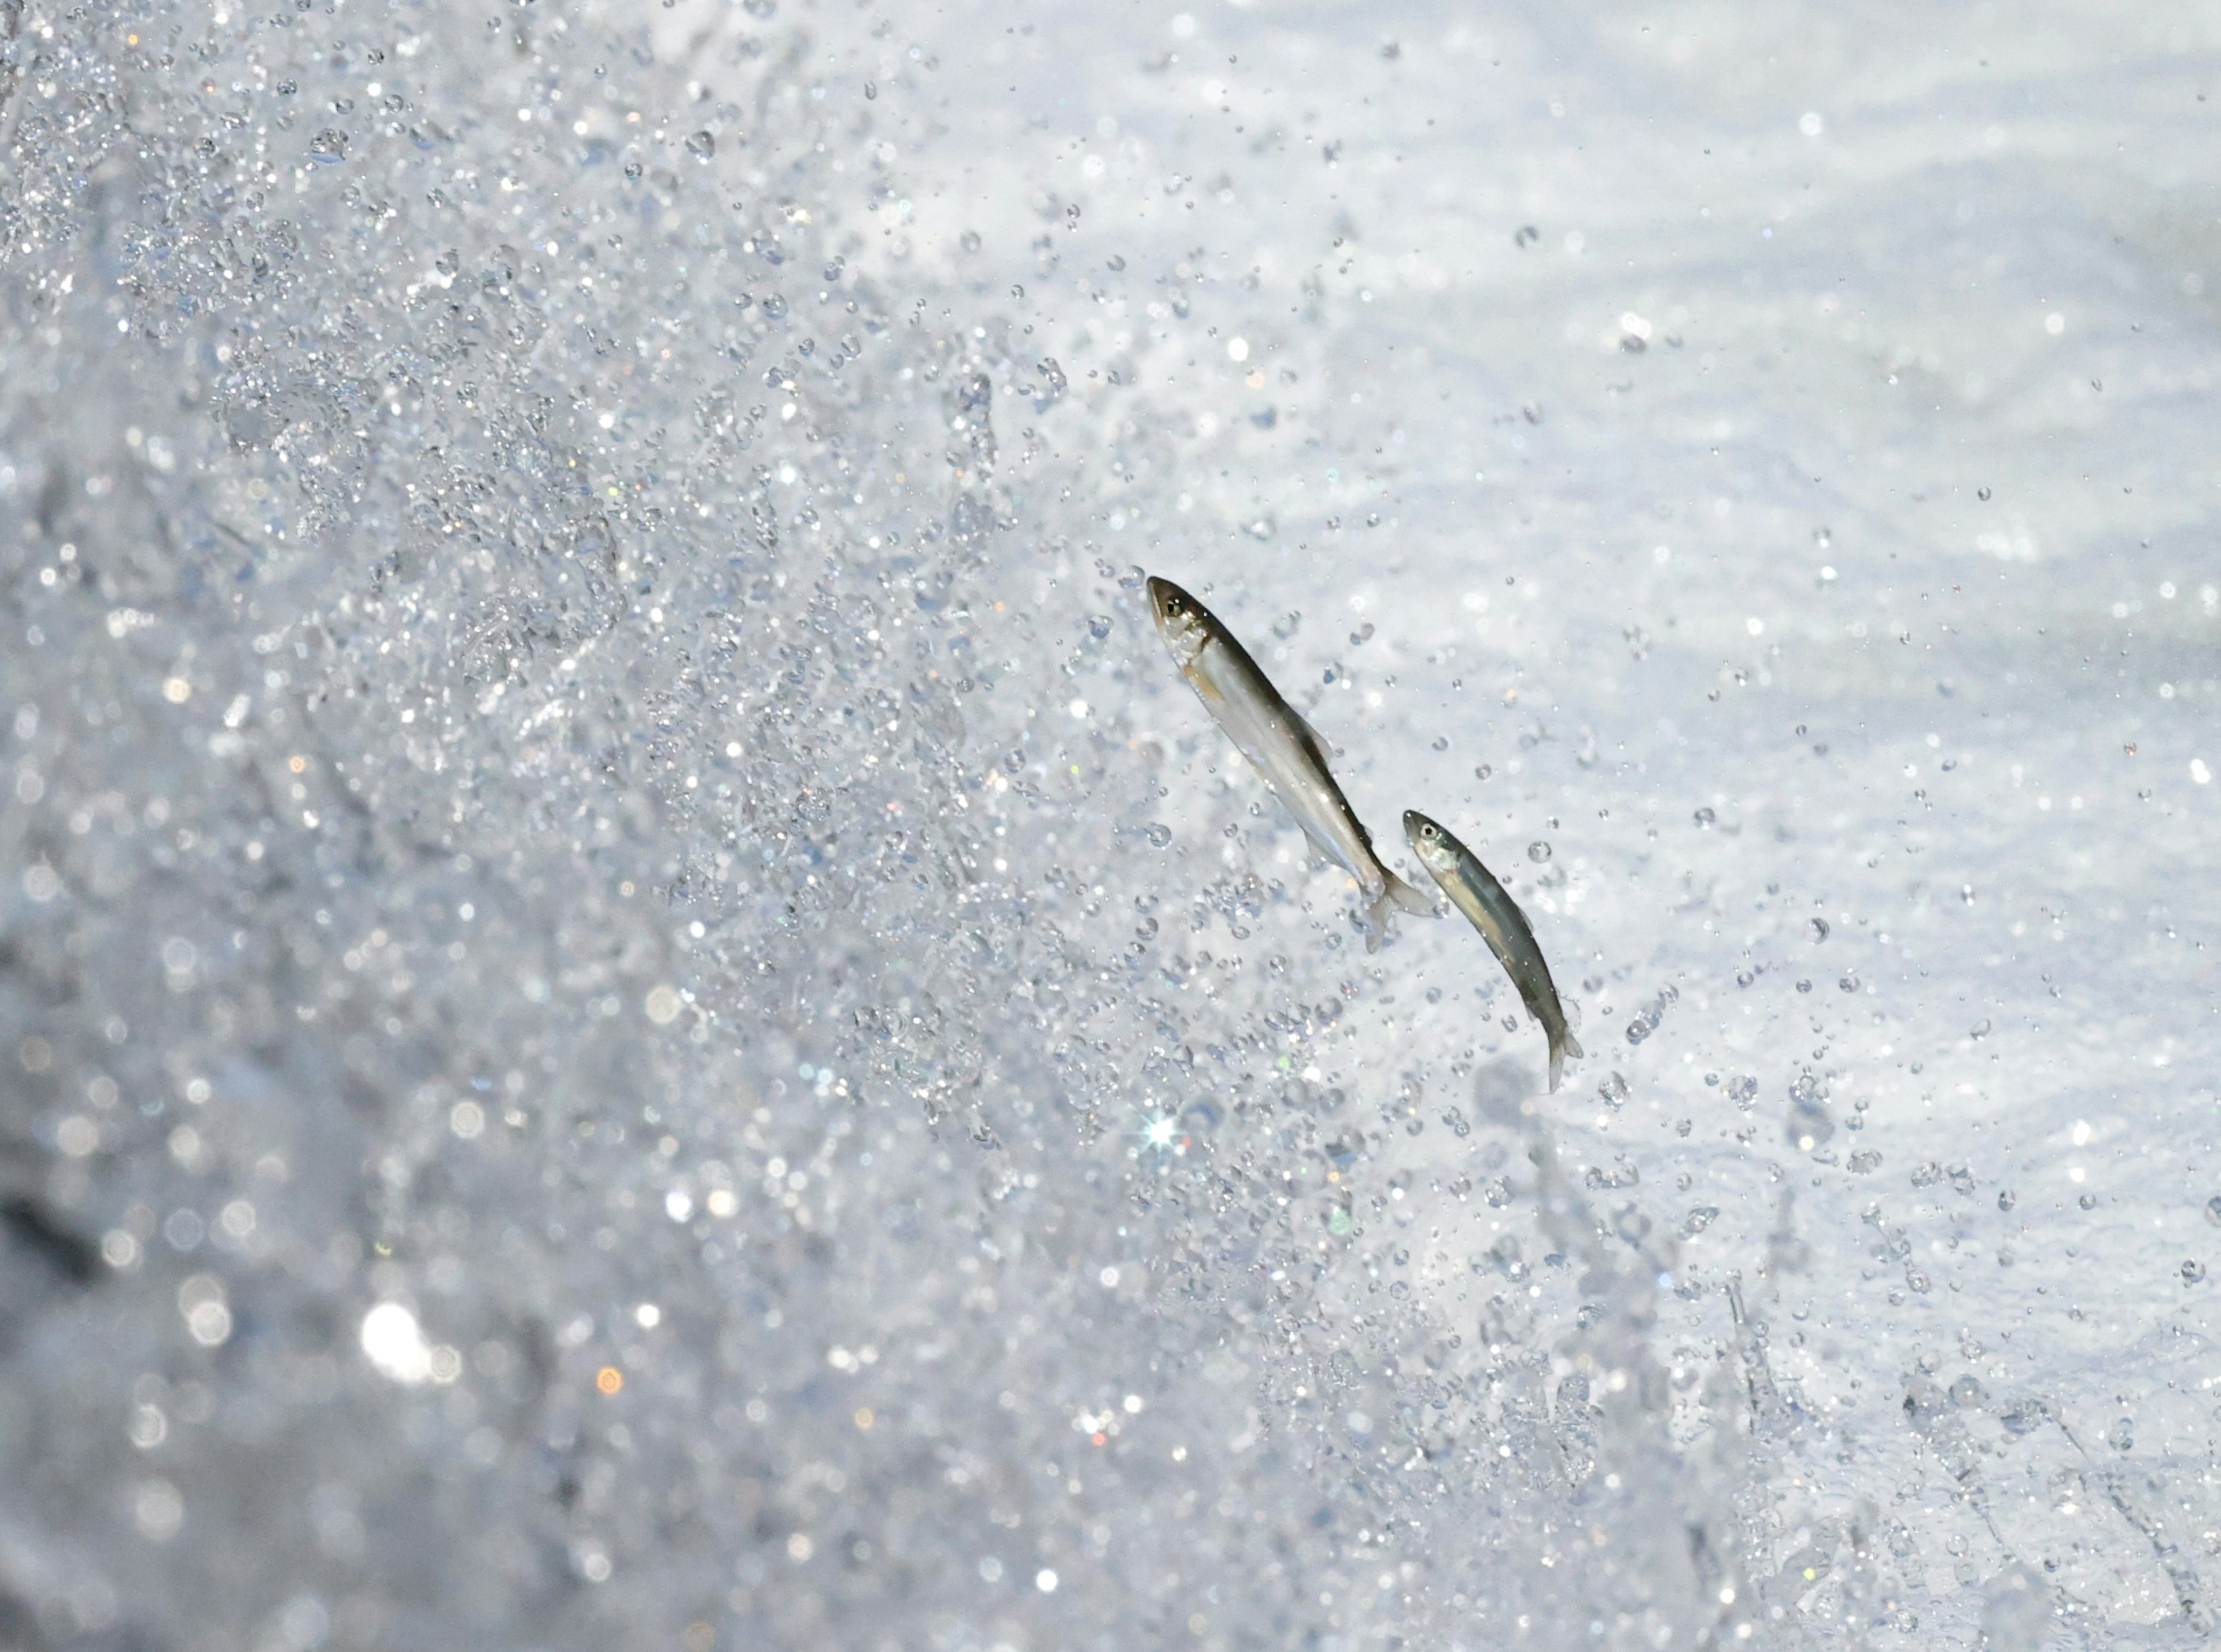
(1428, 832)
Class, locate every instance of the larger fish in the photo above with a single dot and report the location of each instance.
(1285, 748)
(1474, 890)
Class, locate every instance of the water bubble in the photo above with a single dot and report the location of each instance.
(2213, 1210)
(1698, 1219)
(773, 306)
(1967, 1393)
(1962, 1179)
(2193, 1272)
(1742, 1091)
(702, 145)
(1849, 983)
(1484, 771)
(2088, 1201)
(1613, 1090)
(871, 89)
(1538, 852)
(2122, 1435)
(329, 147)
(1158, 835)
(2006, 1199)
(1809, 1125)
(1982, 494)
(1820, 928)
(1704, 817)
(1981, 1029)
(969, 240)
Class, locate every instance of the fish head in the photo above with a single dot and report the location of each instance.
(1183, 622)
(1435, 848)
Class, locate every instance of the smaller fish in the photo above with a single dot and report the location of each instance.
(1474, 890)
(1286, 751)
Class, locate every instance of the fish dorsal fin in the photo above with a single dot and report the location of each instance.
(1317, 741)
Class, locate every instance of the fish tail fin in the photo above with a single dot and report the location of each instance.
(1406, 898)
(1562, 1046)
(1396, 895)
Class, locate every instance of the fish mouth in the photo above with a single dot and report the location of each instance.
(1179, 617)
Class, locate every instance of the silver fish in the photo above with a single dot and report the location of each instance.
(1285, 748)
(1474, 890)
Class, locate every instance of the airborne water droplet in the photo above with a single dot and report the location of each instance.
(1819, 930)
(1538, 852)
(702, 146)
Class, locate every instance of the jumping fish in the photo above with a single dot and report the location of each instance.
(1475, 892)
(1285, 748)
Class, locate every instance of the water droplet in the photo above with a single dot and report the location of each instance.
(1819, 927)
(1704, 817)
(969, 240)
(871, 89)
(2193, 1272)
(2213, 1210)
(1982, 494)
(2122, 1435)
(702, 146)
(329, 147)
(2006, 1199)
(2088, 1201)
(1159, 836)
(773, 306)
(1098, 627)
(1613, 1090)
(1981, 1029)
(1538, 852)
(1967, 1393)
(1483, 772)
(1698, 1219)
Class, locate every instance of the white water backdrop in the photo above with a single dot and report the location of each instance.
(636, 1012)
